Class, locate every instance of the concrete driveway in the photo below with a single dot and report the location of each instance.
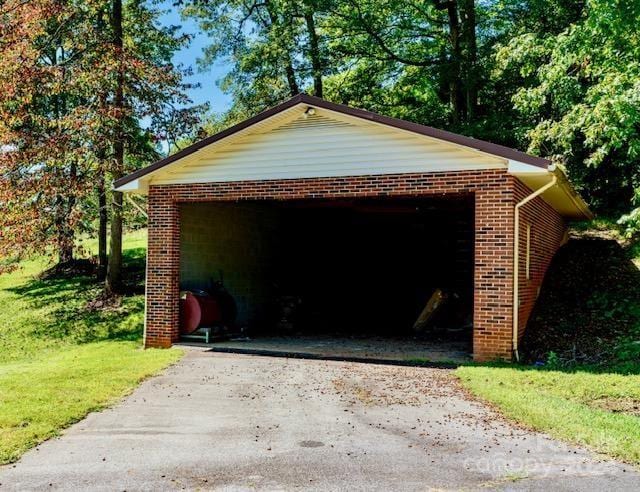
(240, 422)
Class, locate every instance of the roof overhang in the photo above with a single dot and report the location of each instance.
(533, 171)
(562, 197)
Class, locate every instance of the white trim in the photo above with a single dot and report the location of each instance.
(517, 167)
(135, 186)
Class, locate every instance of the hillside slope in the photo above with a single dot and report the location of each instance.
(589, 306)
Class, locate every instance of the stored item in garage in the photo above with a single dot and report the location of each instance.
(433, 305)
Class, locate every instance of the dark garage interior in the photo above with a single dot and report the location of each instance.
(356, 267)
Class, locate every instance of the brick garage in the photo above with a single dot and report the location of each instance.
(309, 150)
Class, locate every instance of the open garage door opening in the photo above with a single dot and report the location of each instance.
(392, 268)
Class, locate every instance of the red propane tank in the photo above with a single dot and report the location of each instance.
(190, 313)
(210, 310)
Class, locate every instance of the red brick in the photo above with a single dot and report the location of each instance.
(495, 191)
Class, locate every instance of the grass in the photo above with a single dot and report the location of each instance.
(60, 360)
(580, 407)
(42, 396)
(597, 406)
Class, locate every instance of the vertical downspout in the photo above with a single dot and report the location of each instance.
(516, 258)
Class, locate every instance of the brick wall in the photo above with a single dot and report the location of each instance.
(493, 243)
(547, 231)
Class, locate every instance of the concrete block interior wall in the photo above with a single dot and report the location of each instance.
(233, 242)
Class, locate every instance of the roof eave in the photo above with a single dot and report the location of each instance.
(529, 174)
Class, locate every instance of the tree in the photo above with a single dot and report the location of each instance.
(77, 80)
(422, 60)
(114, 267)
(433, 44)
(277, 48)
(580, 85)
(45, 163)
(141, 82)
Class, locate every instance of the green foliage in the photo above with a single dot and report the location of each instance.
(628, 350)
(581, 88)
(631, 223)
(274, 47)
(553, 361)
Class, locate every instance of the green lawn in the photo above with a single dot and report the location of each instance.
(598, 405)
(592, 409)
(60, 360)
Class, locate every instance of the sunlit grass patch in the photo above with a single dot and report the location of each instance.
(40, 397)
(60, 357)
(564, 404)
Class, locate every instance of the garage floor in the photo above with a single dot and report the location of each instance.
(378, 348)
(238, 422)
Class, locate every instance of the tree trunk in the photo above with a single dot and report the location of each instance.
(101, 190)
(314, 51)
(65, 252)
(291, 78)
(454, 75)
(470, 56)
(65, 236)
(114, 268)
(64, 230)
(64, 203)
(103, 217)
(288, 67)
(455, 89)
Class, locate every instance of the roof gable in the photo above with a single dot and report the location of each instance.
(369, 144)
(308, 137)
(322, 144)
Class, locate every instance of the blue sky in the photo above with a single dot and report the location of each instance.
(209, 91)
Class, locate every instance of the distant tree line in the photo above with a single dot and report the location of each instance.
(88, 91)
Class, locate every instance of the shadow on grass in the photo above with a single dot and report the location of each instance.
(134, 264)
(588, 309)
(62, 312)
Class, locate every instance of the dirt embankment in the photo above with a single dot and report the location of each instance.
(589, 301)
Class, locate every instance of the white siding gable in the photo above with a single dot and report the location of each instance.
(322, 145)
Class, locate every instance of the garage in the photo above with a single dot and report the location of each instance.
(339, 267)
(323, 220)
